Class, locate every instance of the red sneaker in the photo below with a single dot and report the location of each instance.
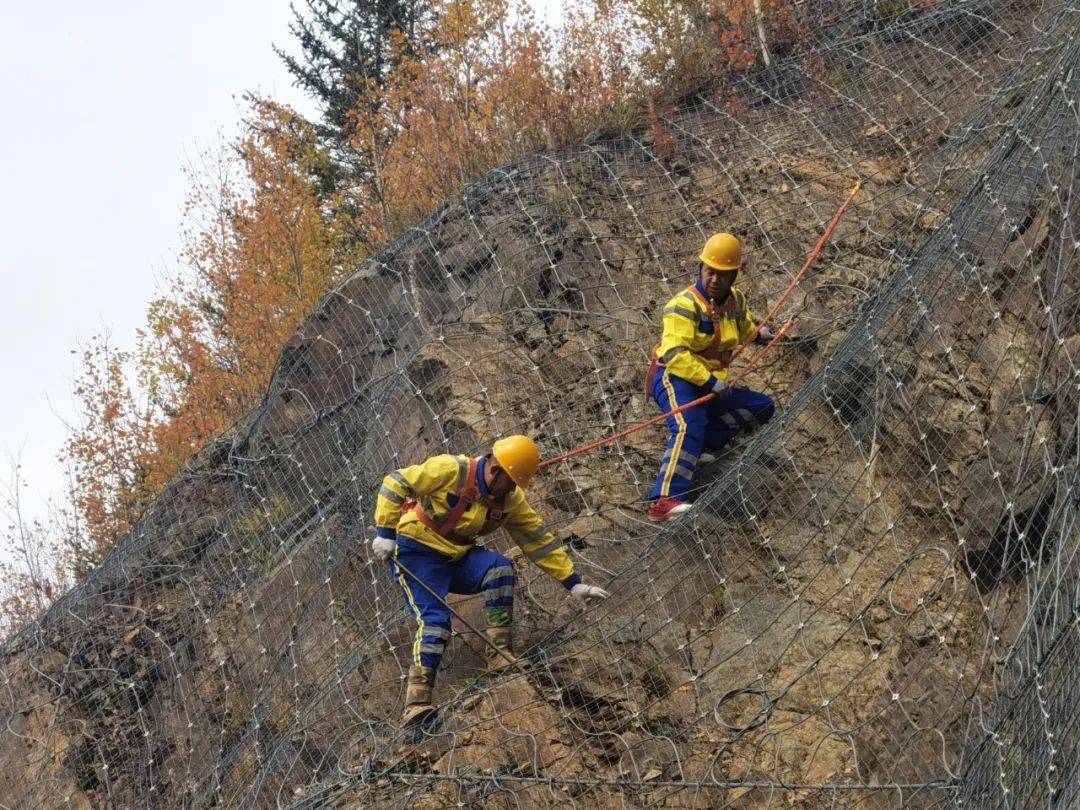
(663, 508)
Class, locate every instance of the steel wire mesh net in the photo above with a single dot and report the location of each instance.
(874, 600)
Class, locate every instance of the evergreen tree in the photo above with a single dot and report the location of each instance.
(344, 44)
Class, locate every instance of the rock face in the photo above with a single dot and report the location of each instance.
(864, 587)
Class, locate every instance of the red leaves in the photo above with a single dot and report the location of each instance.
(737, 47)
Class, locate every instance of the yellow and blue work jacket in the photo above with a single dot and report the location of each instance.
(436, 486)
(699, 336)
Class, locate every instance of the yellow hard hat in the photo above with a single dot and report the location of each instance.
(722, 252)
(519, 456)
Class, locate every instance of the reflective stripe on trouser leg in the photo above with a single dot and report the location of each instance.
(676, 447)
(499, 595)
(497, 585)
(433, 645)
(432, 616)
(687, 435)
(760, 406)
(410, 602)
(492, 575)
(741, 410)
(682, 467)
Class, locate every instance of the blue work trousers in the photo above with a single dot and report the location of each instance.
(709, 426)
(479, 571)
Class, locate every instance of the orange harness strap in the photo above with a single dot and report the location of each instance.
(467, 494)
(650, 375)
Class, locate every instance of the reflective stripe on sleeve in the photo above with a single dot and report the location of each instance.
(533, 535)
(463, 473)
(390, 495)
(544, 551)
(686, 312)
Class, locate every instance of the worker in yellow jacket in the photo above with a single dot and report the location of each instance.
(703, 325)
(427, 519)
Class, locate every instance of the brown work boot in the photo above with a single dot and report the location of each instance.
(418, 695)
(503, 639)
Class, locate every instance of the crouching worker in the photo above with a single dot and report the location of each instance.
(427, 519)
(703, 325)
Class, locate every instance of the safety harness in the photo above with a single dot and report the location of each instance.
(712, 351)
(467, 493)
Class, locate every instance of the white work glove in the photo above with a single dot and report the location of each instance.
(764, 335)
(719, 387)
(383, 547)
(586, 592)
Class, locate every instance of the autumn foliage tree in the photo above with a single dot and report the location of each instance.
(260, 250)
(483, 84)
(260, 254)
(109, 451)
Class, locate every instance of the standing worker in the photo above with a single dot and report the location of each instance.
(427, 519)
(703, 324)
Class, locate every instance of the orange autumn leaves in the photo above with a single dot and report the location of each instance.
(483, 84)
(260, 249)
(266, 254)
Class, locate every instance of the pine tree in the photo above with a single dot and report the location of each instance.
(345, 47)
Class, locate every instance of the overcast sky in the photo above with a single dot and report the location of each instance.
(104, 103)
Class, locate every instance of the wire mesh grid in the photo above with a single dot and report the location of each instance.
(874, 600)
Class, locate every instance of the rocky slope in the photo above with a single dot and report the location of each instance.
(842, 616)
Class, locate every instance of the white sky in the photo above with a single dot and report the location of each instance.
(104, 103)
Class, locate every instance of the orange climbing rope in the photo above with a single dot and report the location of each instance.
(579, 451)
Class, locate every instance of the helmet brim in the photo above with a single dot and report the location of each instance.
(715, 266)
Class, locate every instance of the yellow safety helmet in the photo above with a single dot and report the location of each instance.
(519, 456)
(722, 252)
